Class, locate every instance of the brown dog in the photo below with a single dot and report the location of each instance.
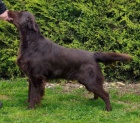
(41, 59)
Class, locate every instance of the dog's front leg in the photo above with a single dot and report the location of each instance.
(36, 91)
(29, 91)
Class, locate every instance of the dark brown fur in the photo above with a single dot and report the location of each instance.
(41, 59)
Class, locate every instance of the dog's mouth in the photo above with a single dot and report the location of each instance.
(13, 15)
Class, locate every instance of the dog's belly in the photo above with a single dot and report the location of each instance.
(62, 74)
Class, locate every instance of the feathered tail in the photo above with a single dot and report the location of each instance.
(111, 57)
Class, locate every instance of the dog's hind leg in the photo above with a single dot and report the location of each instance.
(95, 96)
(100, 92)
(104, 96)
(93, 80)
(36, 92)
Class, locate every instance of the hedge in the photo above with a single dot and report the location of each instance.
(93, 25)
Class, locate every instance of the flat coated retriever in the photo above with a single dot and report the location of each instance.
(41, 59)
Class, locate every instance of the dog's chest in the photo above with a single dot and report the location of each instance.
(23, 64)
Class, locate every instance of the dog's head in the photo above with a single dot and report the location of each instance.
(23, 19)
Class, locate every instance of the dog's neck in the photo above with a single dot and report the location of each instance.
(28, 36)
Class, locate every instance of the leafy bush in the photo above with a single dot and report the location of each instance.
(109, 26)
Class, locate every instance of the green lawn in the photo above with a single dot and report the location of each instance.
(61, 106)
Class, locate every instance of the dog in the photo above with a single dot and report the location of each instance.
(41, 60)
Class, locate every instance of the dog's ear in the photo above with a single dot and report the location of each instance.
(32, 24)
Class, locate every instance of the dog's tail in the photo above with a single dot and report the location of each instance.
(111, 57)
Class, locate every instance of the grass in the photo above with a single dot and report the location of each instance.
(60, 106)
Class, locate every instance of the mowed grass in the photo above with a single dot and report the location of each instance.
(61, 106)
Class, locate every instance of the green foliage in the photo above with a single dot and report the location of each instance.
(8, 51)
(91, 25)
